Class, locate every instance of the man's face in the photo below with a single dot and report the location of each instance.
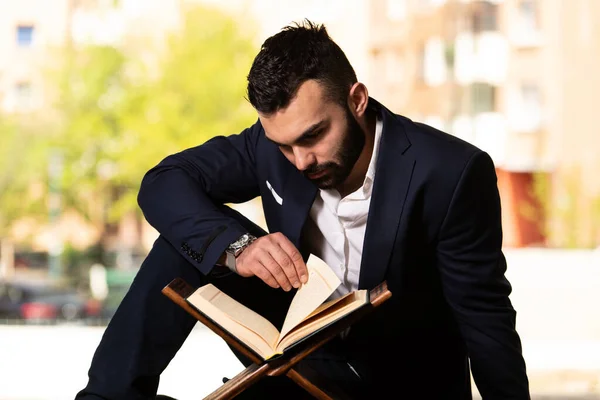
(320, 137)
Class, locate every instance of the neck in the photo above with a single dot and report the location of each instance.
(359, 171)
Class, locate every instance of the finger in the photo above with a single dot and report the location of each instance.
(286, 263)
(275, 269)
(264, 274)
(295, 256)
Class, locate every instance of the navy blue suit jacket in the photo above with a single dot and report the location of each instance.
(433, 232)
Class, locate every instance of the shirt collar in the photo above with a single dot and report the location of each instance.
(370, 176)
(331, 196)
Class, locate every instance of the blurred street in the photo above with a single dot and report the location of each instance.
(555, 294)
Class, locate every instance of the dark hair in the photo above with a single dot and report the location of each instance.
(298, 53)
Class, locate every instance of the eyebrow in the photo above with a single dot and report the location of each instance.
(307, 132)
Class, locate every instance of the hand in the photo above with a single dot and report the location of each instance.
(275, 260)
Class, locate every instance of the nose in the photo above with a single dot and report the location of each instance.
(303, 158)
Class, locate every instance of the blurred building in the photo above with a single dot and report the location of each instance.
(514, 77)
(32, 35)
(33, 31)
(27, 29)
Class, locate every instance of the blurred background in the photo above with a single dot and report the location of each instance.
(93, 93)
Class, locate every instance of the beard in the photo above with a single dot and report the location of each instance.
(344, 159)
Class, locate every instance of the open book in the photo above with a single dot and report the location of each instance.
(308, 313)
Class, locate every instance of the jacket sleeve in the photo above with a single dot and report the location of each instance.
(472, 266)
(183, 196)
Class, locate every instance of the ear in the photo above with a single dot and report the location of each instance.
(358, 99)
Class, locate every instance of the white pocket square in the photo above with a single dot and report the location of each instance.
(277, 197)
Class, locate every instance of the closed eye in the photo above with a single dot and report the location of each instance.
(309, 136)
(312, 137)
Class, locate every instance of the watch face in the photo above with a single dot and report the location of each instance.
(240, 242)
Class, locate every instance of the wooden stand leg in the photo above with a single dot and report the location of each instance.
(178, 290)
(307, 385)
(239, 383)
(308, 380)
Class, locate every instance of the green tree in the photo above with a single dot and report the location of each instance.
(124, 109)
(89, 88)
(23, 172)
(116, 111)
(197, 91)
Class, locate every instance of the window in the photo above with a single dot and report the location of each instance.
(531, 107)
(483, 98)
(396, 9)
(528, 16)
(421, 62)
(24, 35)
(530, 94)
(23, 95)
(485, 18)
(434, 62)
(426, 5)
(525, 32)
(449, 55)
(394, 68)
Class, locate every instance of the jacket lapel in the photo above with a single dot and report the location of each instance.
(392, 179)
(298, 196)
(393, 174)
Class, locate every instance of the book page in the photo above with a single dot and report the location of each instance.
(321, 283)
(335, 310)
(328, 304)
(236, 311)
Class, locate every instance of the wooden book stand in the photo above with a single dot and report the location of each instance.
(178, 290)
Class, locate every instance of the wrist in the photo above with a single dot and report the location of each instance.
(235, 249)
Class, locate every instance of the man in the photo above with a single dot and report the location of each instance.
(374, 194)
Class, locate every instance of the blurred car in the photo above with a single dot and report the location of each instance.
(45, 302)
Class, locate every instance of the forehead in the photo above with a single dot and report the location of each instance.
(308, 107)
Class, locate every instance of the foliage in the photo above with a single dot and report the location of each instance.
(124, 109)
(88, 87)
(572, 214)
(22, 169)
(198, 94)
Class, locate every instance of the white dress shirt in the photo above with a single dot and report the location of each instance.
(335, 231)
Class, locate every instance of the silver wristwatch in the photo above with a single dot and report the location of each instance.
(235, 248)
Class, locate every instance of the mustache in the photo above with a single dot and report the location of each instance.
(316, 168)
